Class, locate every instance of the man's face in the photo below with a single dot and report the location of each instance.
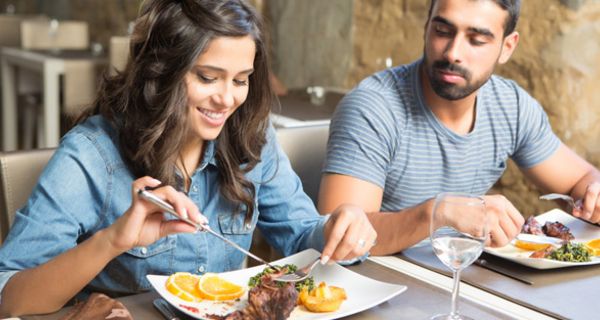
(463, 43)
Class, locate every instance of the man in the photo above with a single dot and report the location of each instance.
(445, 123)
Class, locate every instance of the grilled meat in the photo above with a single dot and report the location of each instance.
(550, 229)
(267, 301)
(542, 253)
(532, 226)
(557, 230)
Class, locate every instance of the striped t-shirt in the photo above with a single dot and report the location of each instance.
(383, 132)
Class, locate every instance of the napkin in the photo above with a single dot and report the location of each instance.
(98, 307)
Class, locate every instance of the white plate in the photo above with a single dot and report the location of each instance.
(363, 293)
(581, 230)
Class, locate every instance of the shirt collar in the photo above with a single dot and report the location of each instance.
(209, 154)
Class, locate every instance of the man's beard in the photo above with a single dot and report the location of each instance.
(451, 91)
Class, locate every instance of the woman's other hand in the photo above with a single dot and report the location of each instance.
(348, 234)
(144, 222)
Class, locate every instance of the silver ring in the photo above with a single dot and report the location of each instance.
(361, 243)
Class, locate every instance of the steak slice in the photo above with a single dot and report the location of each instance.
(557, 230)
(532, 226)
(267, 301)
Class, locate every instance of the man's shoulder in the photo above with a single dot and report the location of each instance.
(388, 80)
(503, 86)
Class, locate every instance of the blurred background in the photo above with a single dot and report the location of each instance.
(320, 47)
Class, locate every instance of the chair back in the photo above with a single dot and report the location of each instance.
(19, 172)
(306, 147)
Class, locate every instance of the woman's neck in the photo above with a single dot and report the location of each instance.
(189, 159)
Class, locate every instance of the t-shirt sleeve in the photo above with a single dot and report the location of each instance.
(361, 137)
(536, 141)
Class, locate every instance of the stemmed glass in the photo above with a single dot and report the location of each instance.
(458, 233)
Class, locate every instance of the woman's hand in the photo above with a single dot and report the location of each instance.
(144, 222)
(348, 234)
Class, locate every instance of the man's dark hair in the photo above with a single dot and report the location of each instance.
(512, 6)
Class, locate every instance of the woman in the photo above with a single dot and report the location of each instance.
(188, 115)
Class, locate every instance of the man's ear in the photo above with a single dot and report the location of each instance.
(509, 45)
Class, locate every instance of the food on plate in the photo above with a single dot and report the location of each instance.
(213, 287)
(267, 300)
(571, 252)
(557, 230)
(308, 283)
(543, 253)
(531, 246)
(323, 298)
(184, 285)
(532, 226)
(550, 229)
(594, 247)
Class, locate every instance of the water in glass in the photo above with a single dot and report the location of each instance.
(458, 233)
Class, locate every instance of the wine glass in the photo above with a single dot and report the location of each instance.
(458, 233)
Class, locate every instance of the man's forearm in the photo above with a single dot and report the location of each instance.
(397, 231)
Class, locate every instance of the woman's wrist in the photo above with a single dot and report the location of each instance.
(105, 239)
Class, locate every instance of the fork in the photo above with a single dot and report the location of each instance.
(300, 274)
(555, 196)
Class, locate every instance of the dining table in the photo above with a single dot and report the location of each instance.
(427, 294)
(51, 65)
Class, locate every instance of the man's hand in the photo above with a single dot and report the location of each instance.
(348, 234)
(590, 209)
(504, 220)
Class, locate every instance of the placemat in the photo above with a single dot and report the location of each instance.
(565, 293)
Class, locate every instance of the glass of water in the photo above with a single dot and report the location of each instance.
(458, 234)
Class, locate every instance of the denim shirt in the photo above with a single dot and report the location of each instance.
(86, 186)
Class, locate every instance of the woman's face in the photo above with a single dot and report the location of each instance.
(218, 84)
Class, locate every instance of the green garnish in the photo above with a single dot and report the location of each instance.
(571, 252)
(308, 283)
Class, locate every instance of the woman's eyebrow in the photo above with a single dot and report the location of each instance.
(221, 70)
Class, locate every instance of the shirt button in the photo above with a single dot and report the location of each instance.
(144, 250)
(195, 188)
(248, 226)
(201, 269)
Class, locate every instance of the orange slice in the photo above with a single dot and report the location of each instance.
(184, 285)
(212, 287)
(531, 246)
(594, 247)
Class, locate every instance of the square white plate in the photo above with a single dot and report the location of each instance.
(363, 293)
(581, 230)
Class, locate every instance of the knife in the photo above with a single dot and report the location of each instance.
(165, 309)
(503, 271)
(204, 227)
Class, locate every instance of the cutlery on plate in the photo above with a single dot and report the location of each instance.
(503, 271)
(574, 204)
(165, 309)
(540, 239)
(203, 227)
(300, 274)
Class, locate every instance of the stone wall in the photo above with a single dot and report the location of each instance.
(312, 41)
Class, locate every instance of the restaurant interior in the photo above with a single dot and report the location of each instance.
(54, 52)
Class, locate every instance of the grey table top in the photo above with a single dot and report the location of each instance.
(420, 301)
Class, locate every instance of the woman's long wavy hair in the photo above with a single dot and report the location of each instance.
(147, 102)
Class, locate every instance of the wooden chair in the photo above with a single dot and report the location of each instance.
(19, 172)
